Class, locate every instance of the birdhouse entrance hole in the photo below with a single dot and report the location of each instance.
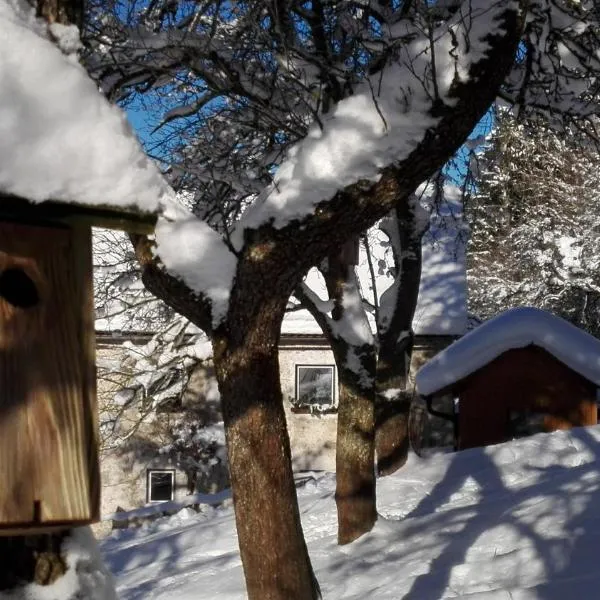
(17, 288)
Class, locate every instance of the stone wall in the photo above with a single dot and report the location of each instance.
(312, 435)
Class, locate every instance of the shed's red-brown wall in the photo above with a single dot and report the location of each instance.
(522, 379)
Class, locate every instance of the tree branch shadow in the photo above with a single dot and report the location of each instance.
(509, 521)
(532, 512)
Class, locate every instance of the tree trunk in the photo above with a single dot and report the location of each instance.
(392, 409)
(274, 554)
(395, 348)
(355, 450)
(245, 354)
(355, 445)
(355, 493)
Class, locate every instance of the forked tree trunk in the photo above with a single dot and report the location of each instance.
(274, 554)
(395, 350)
(355, 443)
(355, 449)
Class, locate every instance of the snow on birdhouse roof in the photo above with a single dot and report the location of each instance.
(60, 139)
(514, 328)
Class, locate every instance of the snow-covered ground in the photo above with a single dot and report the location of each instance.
(514, 521)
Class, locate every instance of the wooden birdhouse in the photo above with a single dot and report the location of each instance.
(48, 412)
(69, 162)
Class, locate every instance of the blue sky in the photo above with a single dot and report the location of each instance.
(144, 121)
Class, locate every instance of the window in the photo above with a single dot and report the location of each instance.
(160, 485)
(315, 387)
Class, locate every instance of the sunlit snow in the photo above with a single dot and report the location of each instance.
(383, 121)
(517, 520)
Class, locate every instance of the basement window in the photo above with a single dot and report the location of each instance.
(315, 388)
(160, 485)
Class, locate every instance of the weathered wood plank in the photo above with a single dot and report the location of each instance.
(48, 444)
(50, 212)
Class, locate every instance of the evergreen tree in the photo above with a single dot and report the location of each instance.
(535, 225)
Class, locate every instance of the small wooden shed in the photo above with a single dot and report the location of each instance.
(521, 372)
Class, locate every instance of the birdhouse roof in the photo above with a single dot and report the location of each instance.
(514, 328)
(63, 146)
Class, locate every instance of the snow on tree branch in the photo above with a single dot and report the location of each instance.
(382, 122)
(353, 327)
(195, 252)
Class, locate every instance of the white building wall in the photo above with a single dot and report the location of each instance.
(312, 436)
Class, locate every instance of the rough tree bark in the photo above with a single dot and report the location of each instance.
(355, 494)
(355, 450)
(393, 398)
(274, 553)
(271, 265)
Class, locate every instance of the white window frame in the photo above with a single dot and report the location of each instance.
(149, 473)
(317, 407)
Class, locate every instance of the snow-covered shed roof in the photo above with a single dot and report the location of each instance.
(514, 328)
(60, 139)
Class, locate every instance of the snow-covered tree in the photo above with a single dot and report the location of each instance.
(372, 360)
(368, 323)
(366, 101)
(535, 225)
(157, 390)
